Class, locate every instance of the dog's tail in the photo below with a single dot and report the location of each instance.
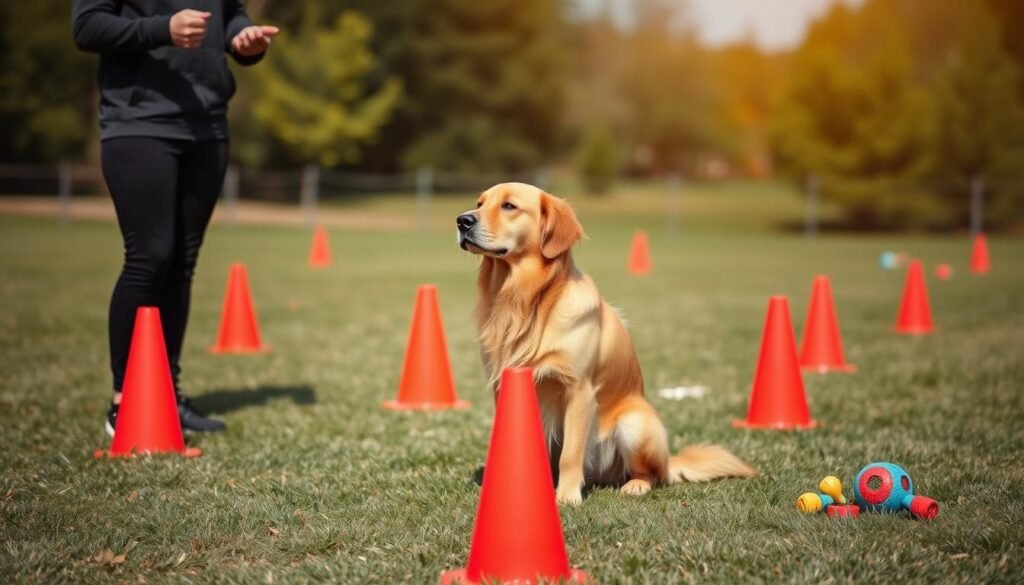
(706, 462)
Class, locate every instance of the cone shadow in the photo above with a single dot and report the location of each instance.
(229, 400)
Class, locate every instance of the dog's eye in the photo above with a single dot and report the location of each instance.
(508, 206)
(479, 204)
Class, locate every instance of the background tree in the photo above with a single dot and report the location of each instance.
(598, 159)
(485, 83)
(46, 84)
(850, 116)
(312, 93)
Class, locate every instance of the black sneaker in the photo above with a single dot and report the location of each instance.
(194, 421)
(111, 422)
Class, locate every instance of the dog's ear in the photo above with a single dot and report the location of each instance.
(560, 230)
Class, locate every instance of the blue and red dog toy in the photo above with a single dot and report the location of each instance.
(879, 487)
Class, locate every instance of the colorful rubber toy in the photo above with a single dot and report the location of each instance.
(831, 500)
(886, 487)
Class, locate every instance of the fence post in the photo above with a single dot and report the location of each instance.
(231, 181)
(310, 193)
(675, 207)
(424, 191)
(811, 212)
(977, 203)
(64, 171)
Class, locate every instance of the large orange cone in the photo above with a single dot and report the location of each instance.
(915, 316)
(426, 382)
(320, 250)
(639, 256)
(517, 537)
(239, 330)
(822, 347)
(778, 400)
(980, 263)
(147, 421)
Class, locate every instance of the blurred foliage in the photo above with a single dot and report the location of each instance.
(597, 159)
(320, 109)
(46, 85)
(896, 105)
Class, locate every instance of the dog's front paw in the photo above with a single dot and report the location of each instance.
(569, 496)
(636, 487)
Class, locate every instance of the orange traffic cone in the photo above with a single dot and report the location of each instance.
(915, 316)
(822, 346)
(980, 263)
(517, 537)
(320, 250)
(778, 400)
(147, 421)
(426, 382)
(639, 256)
(239, 330)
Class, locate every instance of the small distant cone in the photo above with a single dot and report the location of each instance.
(147, 421)
(980, 263)
(915, 316)
(517, 537)
(426, 382)
(639, 256)
(943, 271)
(320, 250)
(778, 400)
(822, 346)
(239, 330)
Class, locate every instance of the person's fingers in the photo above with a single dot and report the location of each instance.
(269, 31)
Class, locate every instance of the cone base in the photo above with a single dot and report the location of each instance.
(425, 406)
(639, 272)
(744, 424)
(189, 453)
(456, 576)
(826, 368)
(914, 330)
(237, 350)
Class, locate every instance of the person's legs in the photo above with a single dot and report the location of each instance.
(142, 176)
(201, 175)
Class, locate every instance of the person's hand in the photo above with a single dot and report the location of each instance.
(188, 28)
(253, 40)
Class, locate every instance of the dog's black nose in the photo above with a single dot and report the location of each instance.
(465, 221)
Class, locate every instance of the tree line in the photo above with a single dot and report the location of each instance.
(895, 106)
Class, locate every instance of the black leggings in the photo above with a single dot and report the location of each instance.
(164, 192)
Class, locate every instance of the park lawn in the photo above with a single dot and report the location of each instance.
(314, 482)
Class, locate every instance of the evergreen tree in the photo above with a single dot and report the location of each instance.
(46, 84)
(851, 116)
(484, 82)
(980, 117)
(311, 91)
(597, 159)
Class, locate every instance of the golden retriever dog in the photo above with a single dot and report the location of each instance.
(537, 309)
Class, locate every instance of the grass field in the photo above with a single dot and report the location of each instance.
(314, 482)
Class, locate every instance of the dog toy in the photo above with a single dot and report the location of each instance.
(887, 487)
(831, 499)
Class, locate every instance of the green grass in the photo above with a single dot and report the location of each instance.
(315, 482)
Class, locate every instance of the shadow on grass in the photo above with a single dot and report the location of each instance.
(225, 400)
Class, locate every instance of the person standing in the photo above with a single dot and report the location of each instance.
(164, 89)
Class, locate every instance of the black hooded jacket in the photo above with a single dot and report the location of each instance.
(149, 87)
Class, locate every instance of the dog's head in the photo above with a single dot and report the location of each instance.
(514, 221)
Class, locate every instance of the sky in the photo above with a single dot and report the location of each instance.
(773, 24)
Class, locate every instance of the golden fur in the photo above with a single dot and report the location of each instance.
(537, 309)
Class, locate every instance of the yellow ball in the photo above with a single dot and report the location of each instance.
(808, 503)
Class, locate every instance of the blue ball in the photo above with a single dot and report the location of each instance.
(887, 260)
(883, 487)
